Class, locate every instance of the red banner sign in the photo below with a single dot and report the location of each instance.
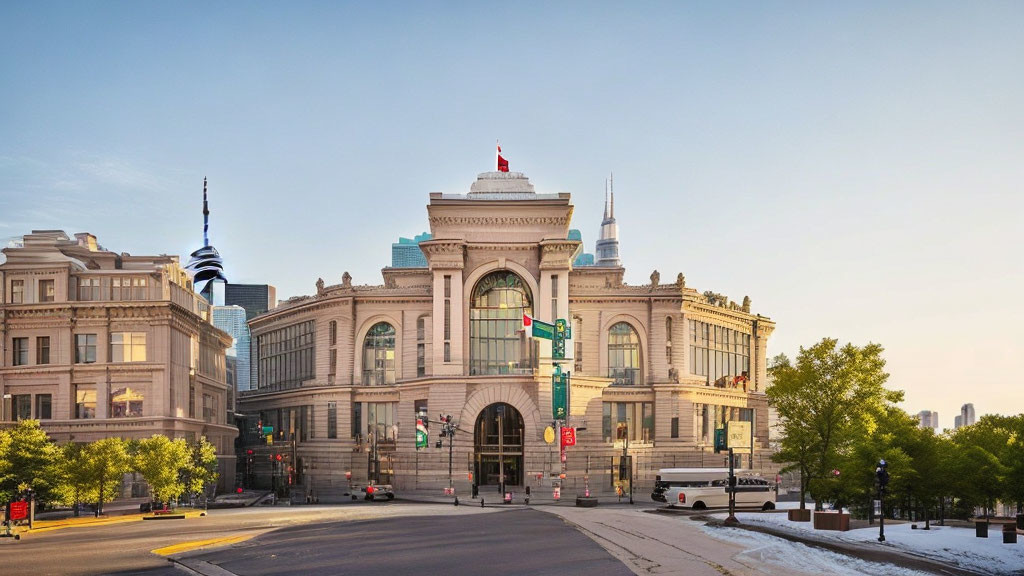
(568, 436)
(19, 510)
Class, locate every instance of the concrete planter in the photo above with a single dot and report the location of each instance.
(586, 501)
(831, 521)
(799, 515)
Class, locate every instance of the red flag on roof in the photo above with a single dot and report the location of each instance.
(502, 163)
(527, 321)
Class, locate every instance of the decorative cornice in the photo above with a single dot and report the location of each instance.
(498, 221)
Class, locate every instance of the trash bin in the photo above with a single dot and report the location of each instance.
(1020, 521)
(1009, 533)
(980, 529)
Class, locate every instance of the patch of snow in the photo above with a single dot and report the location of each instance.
(948, 544)
(795, 557)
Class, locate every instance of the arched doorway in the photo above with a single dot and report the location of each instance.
(498, 443)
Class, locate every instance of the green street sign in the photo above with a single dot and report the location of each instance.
(560, 396)
(268, 430)
(543, 330)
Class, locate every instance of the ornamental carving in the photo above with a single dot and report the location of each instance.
(504, 222)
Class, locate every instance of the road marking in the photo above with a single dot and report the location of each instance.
(196, 544)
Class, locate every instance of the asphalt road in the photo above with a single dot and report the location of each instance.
(361, 538)
(512, 542)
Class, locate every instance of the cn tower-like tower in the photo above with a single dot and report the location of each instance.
(206, 263)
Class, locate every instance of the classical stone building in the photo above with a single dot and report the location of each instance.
(345, 374)
(99, 344)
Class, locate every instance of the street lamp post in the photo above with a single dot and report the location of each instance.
(882, 475)
(448, 430)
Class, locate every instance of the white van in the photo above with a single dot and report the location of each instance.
(701, 488)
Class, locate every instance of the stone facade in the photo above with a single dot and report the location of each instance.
(631, 352)
(117, 345)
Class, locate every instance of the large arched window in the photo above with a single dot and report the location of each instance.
(379, 355)
(496, 342)
(624, 355)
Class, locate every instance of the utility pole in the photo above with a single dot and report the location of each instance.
(731, 520)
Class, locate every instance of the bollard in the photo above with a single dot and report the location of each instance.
(456, 500)
(481, 502)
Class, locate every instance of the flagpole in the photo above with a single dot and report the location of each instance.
(497, 152)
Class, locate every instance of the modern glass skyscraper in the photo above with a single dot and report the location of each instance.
(406, 252)
(231, 319)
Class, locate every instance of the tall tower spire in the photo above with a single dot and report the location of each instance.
(206, 216)
(611, 181)
(608, 242)
(206, 264)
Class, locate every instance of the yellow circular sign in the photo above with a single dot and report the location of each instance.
(549, 435)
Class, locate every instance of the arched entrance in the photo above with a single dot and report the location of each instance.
(498, 445)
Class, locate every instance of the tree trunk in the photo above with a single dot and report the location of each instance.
(927, 525)
(99, 506)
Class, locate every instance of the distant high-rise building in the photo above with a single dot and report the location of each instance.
(231, 319)
(581, 258)
(958, 421)
(928, 419)
(608, 243)
(967, 415)
(254, 298)
(406, 252)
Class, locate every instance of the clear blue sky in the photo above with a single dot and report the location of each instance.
(856, 169)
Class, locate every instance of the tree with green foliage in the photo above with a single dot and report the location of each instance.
(161, 460)
(105, 462)
(202, 467)
(74, 486)
(826, 400)
(28, 460)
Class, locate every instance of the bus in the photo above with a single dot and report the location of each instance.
(702, 488)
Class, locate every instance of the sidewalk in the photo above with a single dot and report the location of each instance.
(89, 520)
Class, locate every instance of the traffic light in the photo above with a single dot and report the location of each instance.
(562, 332)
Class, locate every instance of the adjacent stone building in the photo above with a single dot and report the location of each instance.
(345, 374)
(99, 344)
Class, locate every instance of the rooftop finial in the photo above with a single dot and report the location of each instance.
(611, 183)
(206, 216)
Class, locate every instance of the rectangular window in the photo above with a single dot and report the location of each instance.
(20, 351)
(447, 351)
(421, 360)
(42, 350)
(332, 419)
(287, 356)
(88, 288)
(17, 291)
(139, 289)
(209, 408)
(447, 286)
(447, 319)
(357, 420)
(85, 403)
(334, 363)
(126, 402)
(675, 427)
(333, 328)
(46, 291)
(554, 297)
(22, 404)
(44, 407)
(633, 420)
(127, 346)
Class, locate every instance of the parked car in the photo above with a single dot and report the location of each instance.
(374, 492)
